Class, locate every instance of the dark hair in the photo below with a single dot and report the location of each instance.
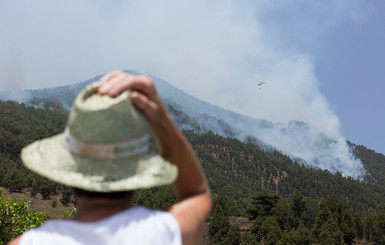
(106, 195)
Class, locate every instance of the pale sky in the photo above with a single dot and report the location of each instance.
(322, 61)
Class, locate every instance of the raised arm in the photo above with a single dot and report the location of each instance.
(191, 188)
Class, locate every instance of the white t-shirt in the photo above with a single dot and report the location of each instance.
(137, 225)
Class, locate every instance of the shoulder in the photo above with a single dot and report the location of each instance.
(163, 225)
(14, 241)
(46, 232)
(154, 217)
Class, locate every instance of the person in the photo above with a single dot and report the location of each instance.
(106, 169)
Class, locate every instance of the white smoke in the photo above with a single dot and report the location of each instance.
(215, 50)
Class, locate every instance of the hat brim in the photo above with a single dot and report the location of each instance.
(51, 158)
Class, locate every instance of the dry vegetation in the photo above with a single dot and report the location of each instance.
(38, 204)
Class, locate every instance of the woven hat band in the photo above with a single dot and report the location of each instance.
(107, 151)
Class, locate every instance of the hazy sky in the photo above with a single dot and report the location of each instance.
(322, 61)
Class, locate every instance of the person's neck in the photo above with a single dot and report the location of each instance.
(95, 209)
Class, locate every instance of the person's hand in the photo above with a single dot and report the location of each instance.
(143, 95)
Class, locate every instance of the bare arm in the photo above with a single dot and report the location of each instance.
(191, 188)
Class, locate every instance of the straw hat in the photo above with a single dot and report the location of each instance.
(105, 147)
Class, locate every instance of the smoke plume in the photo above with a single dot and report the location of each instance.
(215, 50)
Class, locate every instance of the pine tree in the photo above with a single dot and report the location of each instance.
(262, 205)
(347, 226)
(304, 236)
(45, 189)
(298, 205)
(249, 239)
(219, 225)
(370, 227)
(359, 226)
(301, 236)
(14, 180)
(66, 195)
(35, 188)
(256, 229)
(327, 209)
(380, 227)
(330, 234)
(271, 231)
(289, 238)
(233, 236)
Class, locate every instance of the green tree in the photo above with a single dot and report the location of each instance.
(35, 188)
(262, 205)
(45, 189)
(66, 195)
(232, 208)
(359, 226)
(219, 225)
(233, 236)
(347, 226)
(330, 234)
(249, 239)
(289, 238)
(256, 229)
(370, 227)
(303, 235)
(327, 209)
(54, 203)
(282, 215)
(300, 236)
(14, 180)
(298, 205)
(271, 231)
(15, 218)
(379, 236)
(219, 201)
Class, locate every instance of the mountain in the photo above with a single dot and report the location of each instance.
(266, 186)
(235, 170)
(298, 140)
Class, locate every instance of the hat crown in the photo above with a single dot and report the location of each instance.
(96, 118)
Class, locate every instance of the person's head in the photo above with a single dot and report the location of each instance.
(125, 196)
(104, 149)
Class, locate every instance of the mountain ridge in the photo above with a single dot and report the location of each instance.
(296, 139)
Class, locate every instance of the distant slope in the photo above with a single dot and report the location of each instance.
(236, 169)
(64, 95)
(296, 139)
(374, 163)
(211, 117)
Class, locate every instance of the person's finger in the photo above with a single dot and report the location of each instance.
(143, 84)
(144, 104)
(122, 81)
(115, 84)
(109, 75)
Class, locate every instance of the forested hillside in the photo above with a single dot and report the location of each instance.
(275, 192)
(374, 162)
(19, 126)
(236, 170)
